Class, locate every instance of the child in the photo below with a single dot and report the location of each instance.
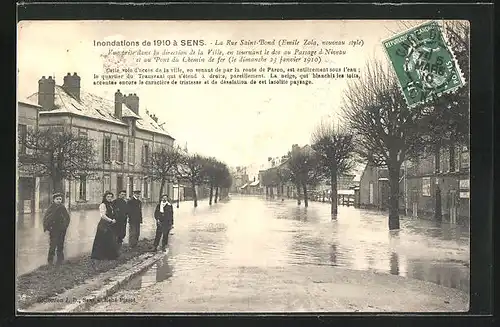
(56, 221)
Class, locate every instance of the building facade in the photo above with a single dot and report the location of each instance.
(438, 181)
(125, 138)
(28, 186)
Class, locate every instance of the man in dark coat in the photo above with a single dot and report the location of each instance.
(134, 218)
(164, 215)
(121, 213)
(56, 221)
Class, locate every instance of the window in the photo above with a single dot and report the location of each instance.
(82, 133)
(464, 158)
(145, 154)
(426, 186)
(23, 132)
(437, 161)
(107, 149)
(106, 183)
(113, 150)
(119, 183)
(120, 151)
(131, 152)
(82, 190)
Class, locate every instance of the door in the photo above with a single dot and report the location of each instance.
(119, 184)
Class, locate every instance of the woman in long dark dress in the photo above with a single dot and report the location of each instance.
(105, 243)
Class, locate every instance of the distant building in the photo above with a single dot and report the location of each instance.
(240, 178)
(125, 137)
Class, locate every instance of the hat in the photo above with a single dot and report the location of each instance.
(56, 195)
(137, 192)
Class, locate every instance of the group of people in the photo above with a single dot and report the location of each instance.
(111, 229)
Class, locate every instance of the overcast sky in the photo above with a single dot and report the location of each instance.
(241, 125)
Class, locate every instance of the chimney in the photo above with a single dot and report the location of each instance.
(132, 102)
(46, 93)
(118, 104)
(72, 85)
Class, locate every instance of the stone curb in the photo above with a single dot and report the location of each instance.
(115, 283)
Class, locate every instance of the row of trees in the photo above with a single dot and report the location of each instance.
(61, 154)
(380, 129)
(331, 154)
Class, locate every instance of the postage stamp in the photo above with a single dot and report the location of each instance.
(424, 64)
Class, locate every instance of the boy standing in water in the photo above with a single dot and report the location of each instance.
(56, 221)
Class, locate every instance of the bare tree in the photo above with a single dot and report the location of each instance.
(210, 174)
(191, 169)
(222, 178)
(164, 165)
(335, 149)
(386, 131)
(304, 171)
(60, 154)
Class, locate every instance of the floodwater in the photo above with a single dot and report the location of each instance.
(254, 232)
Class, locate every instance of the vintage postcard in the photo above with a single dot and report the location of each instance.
(243, 166)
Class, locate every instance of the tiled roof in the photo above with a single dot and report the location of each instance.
(93, 106)
(254, 183)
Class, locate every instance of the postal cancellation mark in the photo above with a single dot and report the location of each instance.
(424, 63)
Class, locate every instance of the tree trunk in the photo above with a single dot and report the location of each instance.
(162, 185)
(272, 192)
(298, 194)
(306, 200)
(216, 193)
(333, 184)
(394, 198)
(211, 194)
(267, 191)
(195, 197)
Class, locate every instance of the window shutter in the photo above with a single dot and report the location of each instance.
(103, 142)
(113, 150)
(142, 154)
(125, 152)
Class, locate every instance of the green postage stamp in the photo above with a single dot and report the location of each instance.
(424, 63)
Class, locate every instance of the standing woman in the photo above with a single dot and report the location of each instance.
(105, 243)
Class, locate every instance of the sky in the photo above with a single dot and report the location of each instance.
(241, 125)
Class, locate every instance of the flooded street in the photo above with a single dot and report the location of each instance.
(248, 235)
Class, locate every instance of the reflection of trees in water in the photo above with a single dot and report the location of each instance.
(333, 254)
(308, 248)
(394, 264)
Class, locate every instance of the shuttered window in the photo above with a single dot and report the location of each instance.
(131, 152)
(120, 151)
(114, 150)
(107, 149)
(82, 190)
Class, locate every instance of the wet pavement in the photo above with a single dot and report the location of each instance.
(238, 245)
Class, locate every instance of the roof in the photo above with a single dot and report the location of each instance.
(358, 172)
(345, 192)
(94, 106)
(244, 186)
(254, 183)
(29, 103)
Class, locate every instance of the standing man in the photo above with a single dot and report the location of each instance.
(164, 215)
(121, 213)
(56, 222)
(134, 218)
